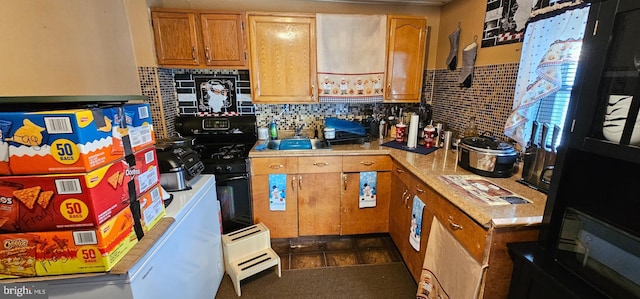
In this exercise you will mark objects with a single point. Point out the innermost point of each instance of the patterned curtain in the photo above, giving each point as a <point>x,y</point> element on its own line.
<point>551,41</point>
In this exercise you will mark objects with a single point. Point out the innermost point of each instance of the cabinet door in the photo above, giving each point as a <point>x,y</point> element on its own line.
<point>356,220</point>
<point>406,44</point>
<point>412,258</point>
<point>283,58</point>
<point>176,38</point>
<point>281,224</point>
<point>319,204</point>
<point>223,39</point>
<point>399,212</point>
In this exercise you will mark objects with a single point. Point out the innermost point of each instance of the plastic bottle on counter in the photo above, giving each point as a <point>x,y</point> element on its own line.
<point>382,131</point>
<point>273,130</point>
<point>392,127</point>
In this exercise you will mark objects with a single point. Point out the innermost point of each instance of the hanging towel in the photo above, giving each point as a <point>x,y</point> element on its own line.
<point>415,230</point>
<point>277,192</point>
<point>449,271</point>
<point>351,57</point>
<point>368,180</point>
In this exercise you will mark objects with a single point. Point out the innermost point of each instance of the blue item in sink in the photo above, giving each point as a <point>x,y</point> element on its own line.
<point>289,144</point>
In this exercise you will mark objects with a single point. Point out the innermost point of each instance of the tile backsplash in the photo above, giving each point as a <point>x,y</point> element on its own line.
<point>489,98</point>
<point>173,91</point>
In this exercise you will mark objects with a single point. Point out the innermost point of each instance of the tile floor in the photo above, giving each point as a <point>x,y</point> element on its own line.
<point>333,251</point>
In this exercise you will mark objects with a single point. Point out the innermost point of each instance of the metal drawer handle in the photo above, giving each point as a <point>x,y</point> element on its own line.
<point>453,225</point>
<point>276,166</point>
<point>344,177</point>
<point>418,189</point>
<point>368,163</point>
<point>320,164</point>
<point>406,201</point>
<point>398,170</point>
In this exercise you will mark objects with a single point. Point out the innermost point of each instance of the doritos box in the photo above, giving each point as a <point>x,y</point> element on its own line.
<point>139,126</point>
<point>144,170</point>
<point>69,251</point>
<point>62,201</point>
<point>57,141</point>
<point>152,208</point>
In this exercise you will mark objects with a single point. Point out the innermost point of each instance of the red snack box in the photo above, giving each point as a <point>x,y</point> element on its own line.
<point>63,201</point>
<point>58,141</point>
<point>144,170</point>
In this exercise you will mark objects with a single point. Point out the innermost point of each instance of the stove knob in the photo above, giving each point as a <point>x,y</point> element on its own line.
<point>228,168</point>
<point>218,169</point>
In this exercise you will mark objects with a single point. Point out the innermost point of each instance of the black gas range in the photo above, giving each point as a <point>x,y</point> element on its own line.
<point>223,144</point>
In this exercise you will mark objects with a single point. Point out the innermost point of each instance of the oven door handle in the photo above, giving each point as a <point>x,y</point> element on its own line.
<point>234,178</point>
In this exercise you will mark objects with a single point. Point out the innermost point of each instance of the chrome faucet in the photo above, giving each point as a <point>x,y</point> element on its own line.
<point>297,130</point>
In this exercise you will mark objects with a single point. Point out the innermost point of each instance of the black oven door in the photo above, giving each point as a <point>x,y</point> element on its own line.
<point>235,201</point>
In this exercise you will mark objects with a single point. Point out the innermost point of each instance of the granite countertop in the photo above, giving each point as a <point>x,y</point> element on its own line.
<point>430,169</point>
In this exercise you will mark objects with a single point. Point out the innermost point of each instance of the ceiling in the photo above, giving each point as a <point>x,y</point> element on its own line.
<point>412,2</point>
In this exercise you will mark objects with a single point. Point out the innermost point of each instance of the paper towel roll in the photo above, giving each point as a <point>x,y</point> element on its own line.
<point>413,131</point>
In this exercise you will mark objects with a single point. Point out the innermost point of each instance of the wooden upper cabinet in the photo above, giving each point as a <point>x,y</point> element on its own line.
<point>199,39</point>
<point>176,38</point>
<point>223,39</point>
<point>406,43</point>
<point>283,57</point>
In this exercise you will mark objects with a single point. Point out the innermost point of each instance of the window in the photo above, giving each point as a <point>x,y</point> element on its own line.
<point>548,63</point>
<point>553,109</point>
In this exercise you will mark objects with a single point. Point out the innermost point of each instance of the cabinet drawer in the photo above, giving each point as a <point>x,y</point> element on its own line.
<point>273,165</point>
<point>471,235</point>
<point>403,174</point>
<point>320,164</point>
<point>366,163</point>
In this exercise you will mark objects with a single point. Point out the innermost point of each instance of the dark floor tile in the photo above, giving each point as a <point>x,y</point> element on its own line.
<point>281,246</point>
<point>341,258</point>
<point>375,256</point>
<point>342,243</point>
<point>307,244</point>
<point>284,261</point>
<point>307,261</point>
<point>370,242</point>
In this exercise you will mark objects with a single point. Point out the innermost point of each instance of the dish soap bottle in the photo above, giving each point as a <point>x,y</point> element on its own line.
<point>273,130</point>
<point>472,129</point>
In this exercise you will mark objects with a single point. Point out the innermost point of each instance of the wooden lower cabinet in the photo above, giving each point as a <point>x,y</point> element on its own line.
<point>322,199</point>
<point>312,195</point>
<point>319,204</point>
<point>356,220</point>
<point>486,245</point>
<point>282,224</point>
<point>366,220</point>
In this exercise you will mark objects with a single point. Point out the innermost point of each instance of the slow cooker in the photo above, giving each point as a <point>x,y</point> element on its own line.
<point>486,156</point>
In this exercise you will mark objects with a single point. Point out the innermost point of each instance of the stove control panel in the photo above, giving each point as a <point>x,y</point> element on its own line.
<point>215,124</point>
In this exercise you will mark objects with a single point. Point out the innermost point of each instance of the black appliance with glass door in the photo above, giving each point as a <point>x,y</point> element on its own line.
<point>223,143</point>
<point>589,244</point>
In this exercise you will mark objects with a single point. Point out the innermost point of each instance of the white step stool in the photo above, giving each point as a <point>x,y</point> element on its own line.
<point>247,251</point>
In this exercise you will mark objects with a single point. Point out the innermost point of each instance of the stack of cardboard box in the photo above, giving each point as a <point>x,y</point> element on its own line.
<point>78,188</point>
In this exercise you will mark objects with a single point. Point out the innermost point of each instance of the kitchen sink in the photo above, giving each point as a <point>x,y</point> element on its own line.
<point>297,144</point>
